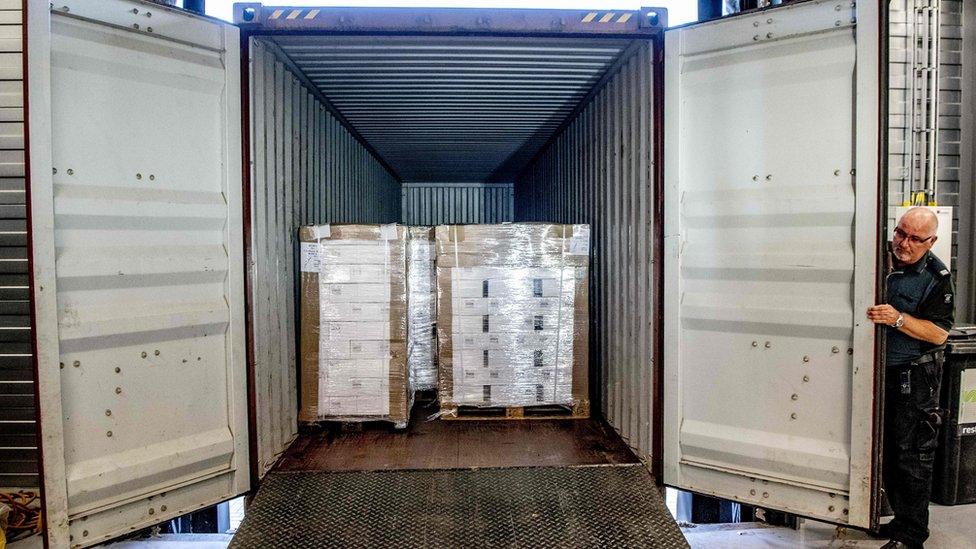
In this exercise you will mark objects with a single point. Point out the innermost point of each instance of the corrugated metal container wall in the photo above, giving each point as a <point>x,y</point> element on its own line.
<point>449,203</point>
<point>306,169</point>
<point>950,109</point>
<point>599,171</point>
<point>18,442</point>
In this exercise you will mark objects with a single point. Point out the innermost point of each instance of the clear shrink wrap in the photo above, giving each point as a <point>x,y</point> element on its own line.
<point>354,324</point>
<point>512,318</point>
<point>421,309</point>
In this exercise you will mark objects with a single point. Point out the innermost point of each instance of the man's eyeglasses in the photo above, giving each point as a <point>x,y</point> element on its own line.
<point>901,235</point>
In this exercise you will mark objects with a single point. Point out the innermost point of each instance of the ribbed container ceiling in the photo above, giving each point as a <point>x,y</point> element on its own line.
<point>453,109</point>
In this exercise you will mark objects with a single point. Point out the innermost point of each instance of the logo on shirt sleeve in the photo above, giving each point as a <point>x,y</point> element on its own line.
<point>948,298</point>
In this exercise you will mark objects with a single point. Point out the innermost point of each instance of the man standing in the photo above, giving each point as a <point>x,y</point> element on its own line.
<point>919,315</point>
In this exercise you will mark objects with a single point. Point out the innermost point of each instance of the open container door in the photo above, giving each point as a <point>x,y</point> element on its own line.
<point>771,236</point>
<point>136,225</point>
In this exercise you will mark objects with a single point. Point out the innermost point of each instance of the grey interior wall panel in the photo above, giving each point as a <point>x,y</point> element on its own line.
<point>306,168</point>
<point>950,108</point>
<point>599,170</point>
<point>18,427</point>
<point>449,203</point>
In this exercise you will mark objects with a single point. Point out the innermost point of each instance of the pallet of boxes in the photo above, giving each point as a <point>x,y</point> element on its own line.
<point>354,324</point>
<point>512,320</point>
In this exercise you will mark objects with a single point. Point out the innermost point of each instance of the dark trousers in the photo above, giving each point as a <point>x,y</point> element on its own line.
<point>911,435</point>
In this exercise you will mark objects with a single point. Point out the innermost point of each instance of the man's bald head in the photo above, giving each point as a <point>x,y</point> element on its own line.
<point>920,218</point>
<point>915,234</point>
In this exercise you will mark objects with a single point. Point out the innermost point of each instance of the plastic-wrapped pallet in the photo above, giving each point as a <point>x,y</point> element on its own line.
<point>353,323</point>
<point>421,309</point>
<point>512,316</point>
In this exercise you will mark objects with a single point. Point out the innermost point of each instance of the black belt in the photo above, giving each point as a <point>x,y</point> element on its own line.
<point>927,357</point>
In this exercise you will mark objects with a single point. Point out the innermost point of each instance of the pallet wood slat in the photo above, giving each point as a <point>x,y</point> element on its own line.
<point>580,410</point>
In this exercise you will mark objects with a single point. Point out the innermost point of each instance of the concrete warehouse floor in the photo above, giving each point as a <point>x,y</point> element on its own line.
<point>952,528</point>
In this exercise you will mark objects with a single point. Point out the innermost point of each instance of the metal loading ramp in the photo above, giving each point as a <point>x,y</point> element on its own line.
<point>595,506</point>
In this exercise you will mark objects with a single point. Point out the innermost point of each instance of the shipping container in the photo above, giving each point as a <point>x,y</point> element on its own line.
<point>730,171</point>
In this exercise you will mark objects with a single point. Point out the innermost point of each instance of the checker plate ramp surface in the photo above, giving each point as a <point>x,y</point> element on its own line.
<point>603,506</point>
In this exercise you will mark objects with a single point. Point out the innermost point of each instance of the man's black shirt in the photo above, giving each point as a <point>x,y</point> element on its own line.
<point>923,290</point>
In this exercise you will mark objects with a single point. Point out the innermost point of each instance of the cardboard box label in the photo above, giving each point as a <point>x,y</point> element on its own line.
<point>322,231</point>
<point>356,274</point>
<point>519,275</point>
<point>475,392</point>
<point>512,322</point>
<point>354,293</point>
<point>331,330</point>
<point>354,252</point>
<point>310,257</point>
<point>579,244</point>
<point>354,311</point>
<point>513,288</point>
<point>345,405</point>
<point>345,349</point>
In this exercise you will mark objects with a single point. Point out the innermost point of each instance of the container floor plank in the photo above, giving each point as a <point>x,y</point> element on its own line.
<point>458,444</point>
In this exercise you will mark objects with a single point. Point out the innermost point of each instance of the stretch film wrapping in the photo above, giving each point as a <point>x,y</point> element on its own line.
<point>512,318</point>
<point>421,309</point>
<point>354,323</point>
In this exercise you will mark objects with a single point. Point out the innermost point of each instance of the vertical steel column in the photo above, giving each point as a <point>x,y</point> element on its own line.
<point>966,263</point>
<point>923,110</point>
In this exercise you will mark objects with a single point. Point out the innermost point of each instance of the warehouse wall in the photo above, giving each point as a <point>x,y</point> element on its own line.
<point>949,164</point>
<point>449,203</point>
<point>18,427</point>
<point>599,171</point>
<point>306,169</point>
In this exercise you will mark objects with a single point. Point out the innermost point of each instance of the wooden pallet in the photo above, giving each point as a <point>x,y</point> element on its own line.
<point>580,410</point>
<point>338,425</point>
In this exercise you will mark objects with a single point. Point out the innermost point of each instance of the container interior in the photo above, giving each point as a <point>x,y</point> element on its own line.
<point>342,128</point>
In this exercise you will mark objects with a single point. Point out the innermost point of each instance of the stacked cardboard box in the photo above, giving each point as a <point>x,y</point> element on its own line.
<point>353,323</point>
<point>512,315</point>
<point>421,309</point>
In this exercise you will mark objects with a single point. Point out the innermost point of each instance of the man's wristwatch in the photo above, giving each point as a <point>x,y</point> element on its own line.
<point>900,322</point>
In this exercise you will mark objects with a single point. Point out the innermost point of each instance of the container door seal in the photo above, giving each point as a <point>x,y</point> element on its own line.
<point>136,210</point>
<point>772,123</point>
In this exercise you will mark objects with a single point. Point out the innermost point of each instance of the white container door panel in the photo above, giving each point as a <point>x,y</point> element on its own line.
<point>139,205</point>
<point>771,160</point>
